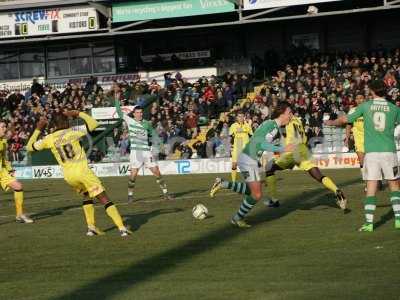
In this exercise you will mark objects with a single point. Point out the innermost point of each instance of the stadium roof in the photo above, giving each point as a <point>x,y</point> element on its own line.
<point>237,17</point>
<point>24,4</point>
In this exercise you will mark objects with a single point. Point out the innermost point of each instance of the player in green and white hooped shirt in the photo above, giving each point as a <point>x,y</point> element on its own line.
<point>267,138</point>
<point>142,137</point>
<point>380,119</point>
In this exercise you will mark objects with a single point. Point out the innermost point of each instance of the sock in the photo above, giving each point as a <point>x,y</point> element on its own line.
<point>238,187</point>
<point>163,185</point>
<point>131,186</point>
<point>113,213</point>
<point>88,209</point>
<point>329,184</point>
<point>395,199</point>
<point>19,200</point>
<point>234,174</point>
<point>369,208</point>
<point>247,204</point>
<point>270,181</point>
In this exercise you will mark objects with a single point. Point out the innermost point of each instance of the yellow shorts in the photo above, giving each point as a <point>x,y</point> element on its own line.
<point>300,158</point>
<point>5,179</point>
<point>83,180</point>
<point>359,144</point>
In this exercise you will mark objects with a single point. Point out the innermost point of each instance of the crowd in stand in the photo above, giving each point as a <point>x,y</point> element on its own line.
<point>317,85</point>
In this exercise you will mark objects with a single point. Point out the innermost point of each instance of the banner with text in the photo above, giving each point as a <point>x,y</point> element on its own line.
<point>162,9</point>
<point>47,21</point>
<point>260,4</point>
<point>181,167</point>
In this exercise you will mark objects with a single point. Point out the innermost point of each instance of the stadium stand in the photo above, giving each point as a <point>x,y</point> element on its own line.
<point>316,84</point>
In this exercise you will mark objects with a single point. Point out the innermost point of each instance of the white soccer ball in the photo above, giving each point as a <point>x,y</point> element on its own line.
<point>200,212</point>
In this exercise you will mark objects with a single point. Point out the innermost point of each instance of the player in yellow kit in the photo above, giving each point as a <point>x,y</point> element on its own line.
<point>357,128</point>
<point>296,135</point>
<point>65,146</point>
<point>240,131</point>
<point>7,179</point>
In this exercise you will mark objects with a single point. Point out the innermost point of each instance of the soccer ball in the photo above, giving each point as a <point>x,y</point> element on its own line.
<point>200,212</point>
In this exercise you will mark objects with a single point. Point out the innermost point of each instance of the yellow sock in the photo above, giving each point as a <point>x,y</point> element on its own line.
<point>113,213</point>
<point>88,209</point>
<point>234,175</point>
<point>19,200</point>
<point>329,184</point>
<point>271,186</point>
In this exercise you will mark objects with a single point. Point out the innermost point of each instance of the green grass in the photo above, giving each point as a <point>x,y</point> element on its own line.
<point>306,249</point>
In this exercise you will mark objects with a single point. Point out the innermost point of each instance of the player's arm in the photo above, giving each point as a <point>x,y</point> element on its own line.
<point>232,131</point>
<point>91,123</point>
<point>33,143</point>
<point>267,145</point>
<point>118,109</point>
<point>345,119</point>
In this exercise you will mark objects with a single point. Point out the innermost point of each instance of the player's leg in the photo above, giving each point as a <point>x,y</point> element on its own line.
<point>281,163</point>
<point>16,186</point>
<point>88,210</point>
<point>372,172</point>
<point>113,213</point>
<point>235,186</point>
<point>234,164</point>
<point>252,174</point>
<point>328,184</point>
<point>131,183</point>
<point>234,171</point>
<point>161,182</point>
<point>390,171</point>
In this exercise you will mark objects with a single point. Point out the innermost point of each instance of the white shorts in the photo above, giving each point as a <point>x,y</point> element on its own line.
<point>142,158</point>
<point>380,165</point>
<point>250,169</point>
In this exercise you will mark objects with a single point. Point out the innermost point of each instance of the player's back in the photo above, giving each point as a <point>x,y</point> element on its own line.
<point>66,148</point>
<point>295,133</point>
<point>269,132</point>
<point>380,119</point>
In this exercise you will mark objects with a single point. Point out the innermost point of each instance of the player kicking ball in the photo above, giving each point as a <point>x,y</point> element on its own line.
<point>300,157</point>
<point>7,179</point>
<point>380,161</point>
<point>65,146</point>
<point>141,136</point>
<point>267,138</point>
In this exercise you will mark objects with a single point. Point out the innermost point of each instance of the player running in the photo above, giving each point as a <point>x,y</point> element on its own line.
<point>240,131</point>
<point>7,179</point>
<point>380,118</point>
<point>267,137</point>
<point>65,146</point>
<point>300,157</point>
<point>141,136</point>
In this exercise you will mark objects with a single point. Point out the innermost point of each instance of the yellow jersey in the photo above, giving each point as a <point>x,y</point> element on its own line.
<point>64,143</point>
<point>4,163</point>
<point>241,134</point>
<point>358,125</point>
<point>295,133</point>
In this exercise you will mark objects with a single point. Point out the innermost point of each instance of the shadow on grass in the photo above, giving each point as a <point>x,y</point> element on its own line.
<point>384,219</point>
<point>135,221</point>
<point>144,270</point>
<point>53,212</point>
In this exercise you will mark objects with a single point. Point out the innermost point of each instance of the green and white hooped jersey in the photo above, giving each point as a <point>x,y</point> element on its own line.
<point>140,134</point>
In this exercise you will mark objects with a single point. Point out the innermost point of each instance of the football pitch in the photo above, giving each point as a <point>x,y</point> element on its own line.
<point>306,249</point>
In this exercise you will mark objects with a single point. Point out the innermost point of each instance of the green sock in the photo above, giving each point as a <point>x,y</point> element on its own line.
<point>369,208</point>
<point>247,204</point>
<point>238,187</point>
<point>395,200</point>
